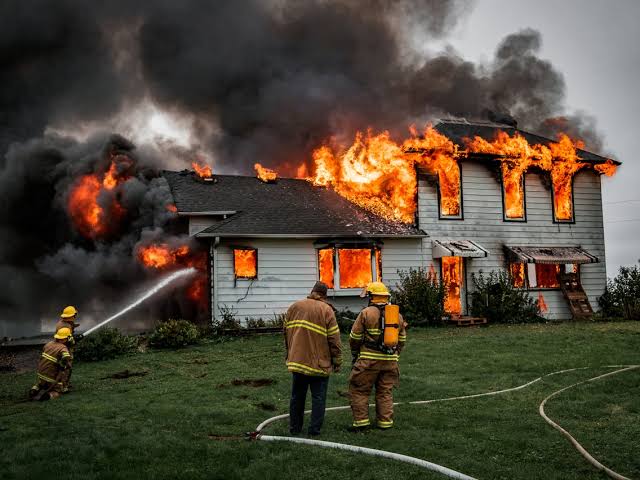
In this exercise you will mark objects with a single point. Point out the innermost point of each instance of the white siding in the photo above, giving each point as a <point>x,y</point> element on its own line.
<point>287,269</point>
<point>483,223</point>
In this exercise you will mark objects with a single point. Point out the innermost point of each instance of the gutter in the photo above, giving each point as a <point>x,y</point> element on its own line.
<point>214,278</point>
<point>303,235</point>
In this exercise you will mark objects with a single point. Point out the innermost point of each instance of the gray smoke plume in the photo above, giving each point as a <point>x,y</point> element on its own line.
<point>276,78</point>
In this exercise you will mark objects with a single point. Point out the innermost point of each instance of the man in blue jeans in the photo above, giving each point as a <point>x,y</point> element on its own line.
<point>314,350</point>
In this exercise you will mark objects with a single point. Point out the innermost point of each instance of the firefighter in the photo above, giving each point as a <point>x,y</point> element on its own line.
<point>67,320</point>
<point>52,368</point>
<point>314,350</point>
<point>374,363</point>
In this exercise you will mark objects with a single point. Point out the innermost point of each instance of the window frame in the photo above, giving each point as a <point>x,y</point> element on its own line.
<point>450,217</point>
<point>524,199</point>
<point>555,219</point>
<point>375,275</point>
<point>233,255</point>
<point>527,283</point>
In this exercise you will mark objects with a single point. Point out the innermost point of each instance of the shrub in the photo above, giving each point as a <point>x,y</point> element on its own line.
<point>496,299</point>
<point>277,321</point>
<point>105,344</point>
<point>420,296</point>
<point>255,323</point>
<point>173,334</point>
<point>228,320</point>
<point>621,298</point>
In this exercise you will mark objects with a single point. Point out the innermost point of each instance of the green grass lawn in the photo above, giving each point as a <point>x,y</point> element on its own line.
<point>166,424</point>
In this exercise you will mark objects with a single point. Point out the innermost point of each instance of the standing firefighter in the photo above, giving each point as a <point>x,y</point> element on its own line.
<point>67,320</point>
<point>52,368</point>
<point>312,338</point>
<point>376,339</point>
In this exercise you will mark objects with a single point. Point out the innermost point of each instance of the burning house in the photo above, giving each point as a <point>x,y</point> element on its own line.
<point>462,198</point>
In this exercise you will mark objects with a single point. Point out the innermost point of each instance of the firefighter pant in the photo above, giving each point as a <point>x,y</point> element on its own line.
<point>384,375</point>
<point>301,383</point>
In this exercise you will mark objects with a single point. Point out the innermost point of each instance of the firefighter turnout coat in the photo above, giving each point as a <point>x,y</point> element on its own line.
<point>312,337</point>
<point>54,362</point>
<point>373,367</point>
<point>71,345</point>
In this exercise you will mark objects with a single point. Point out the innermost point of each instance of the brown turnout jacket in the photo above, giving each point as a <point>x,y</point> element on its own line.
<point>366,329</point>
<point>64,323</point>
<point>55,358</point>
<point>312,337</point>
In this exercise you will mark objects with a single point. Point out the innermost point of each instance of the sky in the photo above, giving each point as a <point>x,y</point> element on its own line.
<point>596,44</point>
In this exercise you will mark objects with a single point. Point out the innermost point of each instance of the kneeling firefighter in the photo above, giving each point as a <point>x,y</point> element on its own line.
<point>377,337</point>
<point>53,368</point>
<point>68,320</point>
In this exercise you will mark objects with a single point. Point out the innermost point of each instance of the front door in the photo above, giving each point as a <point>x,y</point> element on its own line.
<point>453,279</point>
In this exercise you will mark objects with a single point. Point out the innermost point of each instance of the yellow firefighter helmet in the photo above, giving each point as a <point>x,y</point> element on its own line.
<point>376,288</point>
<point>69,312</point>
<point>63,333</point>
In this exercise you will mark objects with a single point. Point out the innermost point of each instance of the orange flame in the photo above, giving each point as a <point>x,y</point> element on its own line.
<point>325,266</point>
<point>89,216</point>
<point>548,275</point>
<point>542,305</point>
<point>516,270</point>
<point>265,174</point>
<point>162,256</point>
<point>355,267</point>
<point>452,279</point>
<point>608,168</point>
<point>171,208</point>
<point>245,263</point>
<point>202,170</point>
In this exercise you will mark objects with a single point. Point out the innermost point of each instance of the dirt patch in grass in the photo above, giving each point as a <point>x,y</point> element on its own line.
<point>267,407</point>
<point>249,382</point>
<point>126,374</point>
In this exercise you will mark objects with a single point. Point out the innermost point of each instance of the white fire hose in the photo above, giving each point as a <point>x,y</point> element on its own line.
<point>439,468</point>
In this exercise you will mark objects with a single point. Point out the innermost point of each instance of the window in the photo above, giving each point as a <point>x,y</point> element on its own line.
<point>513,194</point>
<point>562,193</point>
<point>245,263</point>
<point>344,268</point>
<point>450,191</point>
<point>539,275</point>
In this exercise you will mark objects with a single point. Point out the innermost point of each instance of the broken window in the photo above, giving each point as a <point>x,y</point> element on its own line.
<point>539,275</point>
<point>513,194</point>
<point>342,268</point>
<point>450,190</point>
<point>562,197</point>
<point>245,263</point>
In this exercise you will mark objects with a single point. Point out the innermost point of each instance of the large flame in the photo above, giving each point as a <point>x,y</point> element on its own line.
<point>265,174</point>
<point>452,279</point>
<point>164,257</point>
<point>92,215</point>
<point>548,275</point>
<point>377,173</point>
<point>608,168</point>
<point>355,267</point>
<point>245,262</point>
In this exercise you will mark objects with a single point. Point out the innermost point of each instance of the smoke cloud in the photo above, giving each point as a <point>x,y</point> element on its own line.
<point>251,81</point>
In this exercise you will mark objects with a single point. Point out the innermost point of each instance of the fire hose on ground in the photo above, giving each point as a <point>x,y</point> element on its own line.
<point>258,435</point>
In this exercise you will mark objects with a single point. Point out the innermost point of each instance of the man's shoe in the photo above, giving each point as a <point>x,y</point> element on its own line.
<point>313,434</point>
<point>362,429</point>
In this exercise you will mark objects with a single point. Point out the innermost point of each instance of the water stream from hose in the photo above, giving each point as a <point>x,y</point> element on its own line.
<point>149,293</point>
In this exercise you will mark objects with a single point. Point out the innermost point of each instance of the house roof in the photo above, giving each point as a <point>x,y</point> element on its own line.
<point>287,208</point>
<point>458,130</point>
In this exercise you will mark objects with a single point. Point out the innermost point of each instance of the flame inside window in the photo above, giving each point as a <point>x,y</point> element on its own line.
<point>378,265</point>
<point>517,272</point>
<point>355,267</point>
<point>449,187</point>
<point>548,275</point>
<point>513,192</point>
<point>325,263</point>
<point>452,278</point>
<point>245,262</point>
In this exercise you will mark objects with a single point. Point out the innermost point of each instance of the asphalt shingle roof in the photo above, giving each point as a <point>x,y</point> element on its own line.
<point>458,130</point>
<point>287,207</point>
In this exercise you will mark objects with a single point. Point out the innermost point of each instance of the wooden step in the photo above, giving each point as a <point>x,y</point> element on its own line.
<point>467,321</point>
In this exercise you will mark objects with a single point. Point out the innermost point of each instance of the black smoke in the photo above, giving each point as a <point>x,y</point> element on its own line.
<point>275,78</point>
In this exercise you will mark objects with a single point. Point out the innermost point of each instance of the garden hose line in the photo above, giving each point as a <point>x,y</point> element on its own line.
<point>439,468</point>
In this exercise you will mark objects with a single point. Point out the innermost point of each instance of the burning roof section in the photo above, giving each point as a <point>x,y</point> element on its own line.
<point>286,208</point>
